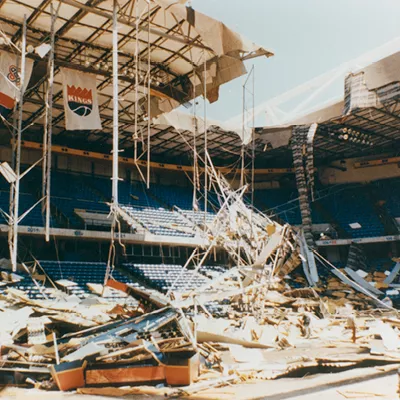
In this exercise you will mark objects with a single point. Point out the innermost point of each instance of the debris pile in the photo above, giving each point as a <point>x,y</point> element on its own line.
<point>282,310</point>
<point>184,346</point>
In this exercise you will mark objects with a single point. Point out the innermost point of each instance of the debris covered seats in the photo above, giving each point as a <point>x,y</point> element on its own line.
<point>82,273</point>
<point>164,276</point>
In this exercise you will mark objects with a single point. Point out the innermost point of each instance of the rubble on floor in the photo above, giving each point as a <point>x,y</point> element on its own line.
<point>146,343</point>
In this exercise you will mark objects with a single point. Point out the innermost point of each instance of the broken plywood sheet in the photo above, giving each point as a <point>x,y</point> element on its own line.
<point>272,244</point>
<point>125,391</point>
<point>106,292</point>
<point>89,349</point>
<point>241,354</point>
<point>389,336</point>
<point>220,330</point>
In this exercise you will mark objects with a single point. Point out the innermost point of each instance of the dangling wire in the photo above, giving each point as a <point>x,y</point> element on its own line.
<point>148,97</point>
<point>195,127</point>
<point>135,134</point>
<point>205,139</point>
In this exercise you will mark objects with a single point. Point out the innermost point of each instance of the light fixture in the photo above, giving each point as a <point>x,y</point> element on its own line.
<point>87,63</point>
<point>105,67</point>
<point>97,66</point>
<point>346,136</point>
<point>30,49</point>
<point>42,49</point>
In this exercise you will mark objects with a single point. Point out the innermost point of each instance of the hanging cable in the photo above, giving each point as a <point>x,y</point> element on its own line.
<point>115,179</point>
<point>205,139</point>
<point>148,97</point>
<point>135,134</point>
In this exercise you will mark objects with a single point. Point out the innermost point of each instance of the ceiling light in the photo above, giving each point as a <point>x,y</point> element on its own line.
<point>30,49</point>
<point>42,49</point>
<point>346,136</point>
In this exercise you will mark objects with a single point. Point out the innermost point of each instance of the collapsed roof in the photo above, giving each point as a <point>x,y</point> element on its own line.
<point>182,42</point>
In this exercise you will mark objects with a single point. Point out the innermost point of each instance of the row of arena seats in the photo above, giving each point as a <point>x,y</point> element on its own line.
<point>352,204</point>
<point>157,276</point>
<point>157,221</point>
<point>26,201</point>
<point>389,192</point>
<point>344,203</point>
<point>82,273</point>
<point>164,276</point>
<point>27,286</point>
<point>95,191</point>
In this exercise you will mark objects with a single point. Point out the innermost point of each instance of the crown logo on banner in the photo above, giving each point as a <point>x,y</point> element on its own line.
<point>80,101</point>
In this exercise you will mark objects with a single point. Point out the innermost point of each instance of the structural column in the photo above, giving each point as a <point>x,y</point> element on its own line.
<point>302,139</point>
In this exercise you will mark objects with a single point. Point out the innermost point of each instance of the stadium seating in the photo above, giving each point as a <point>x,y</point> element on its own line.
<point>162,276</point>
<point>157,221</point>
<point>82,273</point>
<point>28,287</point>
<point>281,203</point>
<point>154,207</point>
<point>346,203</point>
<point>350,205</point>
<point>26,200</point>
<point>389,190</point>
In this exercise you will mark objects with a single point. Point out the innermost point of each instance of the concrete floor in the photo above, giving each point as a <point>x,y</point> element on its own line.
<point>359,384</point>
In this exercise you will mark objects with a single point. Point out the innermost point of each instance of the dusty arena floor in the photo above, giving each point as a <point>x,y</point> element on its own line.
<point>361,383</point>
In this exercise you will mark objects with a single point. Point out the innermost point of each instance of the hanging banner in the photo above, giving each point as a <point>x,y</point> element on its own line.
<point>80,100</point>
<point>10,79</point>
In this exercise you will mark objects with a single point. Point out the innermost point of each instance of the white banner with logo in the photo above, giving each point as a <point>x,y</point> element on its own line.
<point>80,100</point>
<point>10,80</point>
